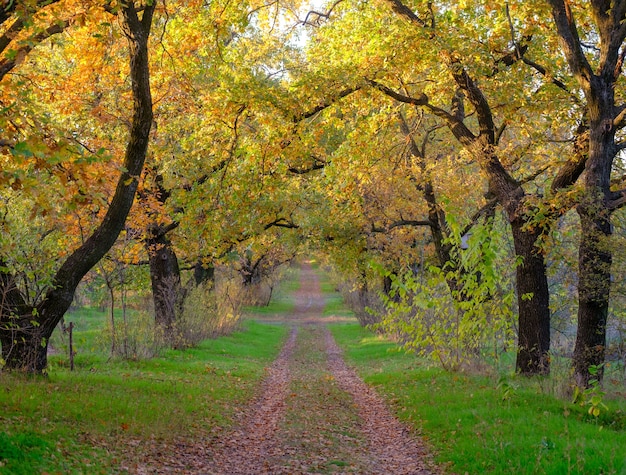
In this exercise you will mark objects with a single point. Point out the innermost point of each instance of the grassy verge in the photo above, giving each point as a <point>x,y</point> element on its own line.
<point>334,301</point>
<point>85,421</point>
<point>478,425</point>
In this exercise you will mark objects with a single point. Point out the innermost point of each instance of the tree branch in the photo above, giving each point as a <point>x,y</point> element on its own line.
<point>8,64</point>
<point>571,170</point>
<point>541,70</point>
<point>475,96</point>
<point>9,8</point>
<point>317,165</point>
<point>532,176</point>
<point>281,223</point>
<point>566,27</point>
<point>79,262</point>
<point>405,12</point>
<point>617,200</point>
<point>618,121</point>
<point>485,210</point>
<point>310,113</point>
<point>456,126</point>
<point>320,15</point>
<point>10,33</point>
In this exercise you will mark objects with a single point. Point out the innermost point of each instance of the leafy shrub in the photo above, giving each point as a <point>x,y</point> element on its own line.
<point>208,312</point>
<point>458,314</point>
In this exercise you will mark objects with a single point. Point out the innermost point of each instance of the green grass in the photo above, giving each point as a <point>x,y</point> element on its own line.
<point>82,421</point>
<point>88,325</point>
<point>87,421</point>
<point>73,422</point>
<point>476,425</point>
<point>334,301</point>
<point>280,306</point>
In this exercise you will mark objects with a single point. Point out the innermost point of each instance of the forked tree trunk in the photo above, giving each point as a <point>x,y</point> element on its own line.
<point>598,82</point>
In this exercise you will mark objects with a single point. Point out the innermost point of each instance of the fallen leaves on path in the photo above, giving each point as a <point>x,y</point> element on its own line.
<point>312,414</point>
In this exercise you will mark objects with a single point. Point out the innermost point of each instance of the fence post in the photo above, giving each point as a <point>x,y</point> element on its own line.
<point>70,329</point>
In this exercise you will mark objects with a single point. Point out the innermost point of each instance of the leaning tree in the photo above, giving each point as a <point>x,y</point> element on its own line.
<point>26,325</point>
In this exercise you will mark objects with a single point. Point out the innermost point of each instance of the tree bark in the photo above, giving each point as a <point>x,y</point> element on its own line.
<point>594,255</point>
<point>594,281</point>
<point>533,300</point>
<point>167,292</point>
<point>203,274</point>
<point>24,332</point>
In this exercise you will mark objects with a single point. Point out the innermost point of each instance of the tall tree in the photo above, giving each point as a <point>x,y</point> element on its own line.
<point>472,53</point>
<point>26,328</point>
<point>598,72</point>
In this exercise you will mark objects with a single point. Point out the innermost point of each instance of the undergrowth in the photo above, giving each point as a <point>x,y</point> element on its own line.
<point>282,302</point>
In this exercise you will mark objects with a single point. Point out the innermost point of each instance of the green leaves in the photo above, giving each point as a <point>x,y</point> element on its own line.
<point>22,149</point>
<point>591,396</point>
<point>458,313</point>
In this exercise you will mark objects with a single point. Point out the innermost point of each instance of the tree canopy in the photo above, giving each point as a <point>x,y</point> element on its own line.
<point>435,153</point>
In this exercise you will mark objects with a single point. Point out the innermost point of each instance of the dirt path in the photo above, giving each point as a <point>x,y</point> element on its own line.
<point>314,414</point>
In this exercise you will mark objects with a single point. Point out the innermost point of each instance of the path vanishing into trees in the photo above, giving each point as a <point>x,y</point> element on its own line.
<point>313,414</point>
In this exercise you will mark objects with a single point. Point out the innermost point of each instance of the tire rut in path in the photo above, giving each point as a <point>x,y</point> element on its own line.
<point>393,449</point>
<point>247,449</point>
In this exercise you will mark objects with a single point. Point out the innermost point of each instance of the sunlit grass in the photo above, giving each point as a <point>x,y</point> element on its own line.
<point>334,301</point>
<point>72,422</point>
<point>482,424</point>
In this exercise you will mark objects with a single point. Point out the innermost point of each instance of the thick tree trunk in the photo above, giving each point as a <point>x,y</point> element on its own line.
<point>25,348</point>
<point>203,274</point>
<point>167,292</point>
<point>533,299</point>
<point>593,296</point>
<point>594,256</point>
<point>532,282</point>
<point>24,335</point>
<point>594,252</point>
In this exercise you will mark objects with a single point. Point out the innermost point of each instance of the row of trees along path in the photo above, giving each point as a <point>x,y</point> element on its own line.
<point>312,414</point>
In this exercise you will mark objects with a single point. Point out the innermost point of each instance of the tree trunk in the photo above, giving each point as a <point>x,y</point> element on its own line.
<point>533,299</point>
<point>167,292</point>
<point>203,274</point>
<point>25,348</point>
<point>594,252</point>
<point>594,283</point>
<point>598,84</point>
<point>388,287</point>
